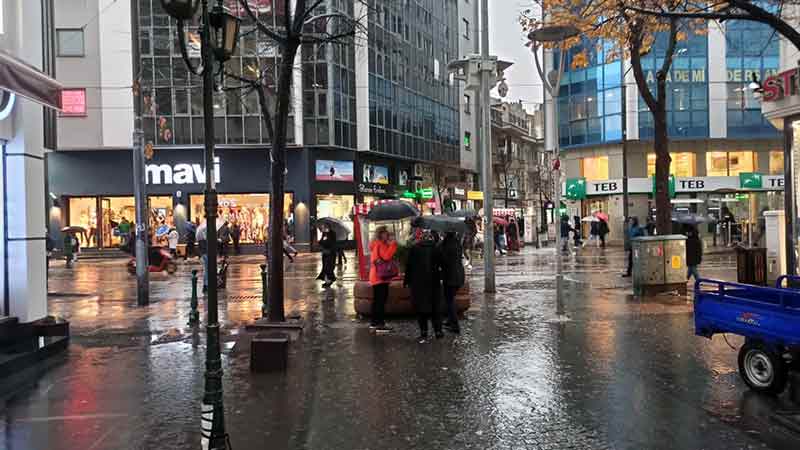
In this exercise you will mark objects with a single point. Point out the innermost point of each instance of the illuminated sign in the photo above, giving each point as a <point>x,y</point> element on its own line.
<point>680,75</point>
<point>179,173</point>
<point>73,102</point>
<point>779,86</point>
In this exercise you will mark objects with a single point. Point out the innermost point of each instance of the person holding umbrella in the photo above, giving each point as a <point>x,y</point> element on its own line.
<point>602,227</point>
<point>328,245</point>
<point>452,277</point>
<point>424,277</point>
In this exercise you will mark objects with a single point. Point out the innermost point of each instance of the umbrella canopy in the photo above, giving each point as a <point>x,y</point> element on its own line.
<point>590,219</point>
<point>336,225</point>
<point>499,221</point>
<point>463,213</point>
<point>392,210</point>
<point>602,216</point>
<point>442,224</point>
<point>692,219</point>
<point>73,229</point>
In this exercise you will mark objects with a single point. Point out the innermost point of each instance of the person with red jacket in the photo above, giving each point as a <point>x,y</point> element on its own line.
<point>382,248</point>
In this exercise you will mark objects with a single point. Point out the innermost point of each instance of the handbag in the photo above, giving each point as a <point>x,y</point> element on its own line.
<point>386,270</point>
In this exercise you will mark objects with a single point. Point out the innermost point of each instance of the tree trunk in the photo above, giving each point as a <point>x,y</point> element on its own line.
<point>278,167</point>
<point>663,160</point>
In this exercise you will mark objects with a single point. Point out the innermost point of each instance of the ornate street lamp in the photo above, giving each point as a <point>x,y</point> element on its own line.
<point>224,32</point>
<point>224,29</point>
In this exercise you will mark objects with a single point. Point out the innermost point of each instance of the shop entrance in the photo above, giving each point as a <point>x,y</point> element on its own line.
<point>338,207</point>
<point>85,211</point>
<point>250,211</point>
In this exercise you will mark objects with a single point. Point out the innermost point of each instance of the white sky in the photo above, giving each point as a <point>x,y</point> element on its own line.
<point>507,41</point>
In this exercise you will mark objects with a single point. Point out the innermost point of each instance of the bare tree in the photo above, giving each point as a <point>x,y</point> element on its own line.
<point>305,22</point>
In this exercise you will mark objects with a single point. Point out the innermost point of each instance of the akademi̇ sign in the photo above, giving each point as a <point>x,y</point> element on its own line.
<point>180,173</point>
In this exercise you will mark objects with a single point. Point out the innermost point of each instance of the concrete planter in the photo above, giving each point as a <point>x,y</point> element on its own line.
<point>399,302</point>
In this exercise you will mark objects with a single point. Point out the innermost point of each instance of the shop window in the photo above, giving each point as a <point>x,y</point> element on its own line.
<point>594,168</point>
<point>739,162</point>
<point>776,163</point>
<point>69,42</point>
<point>83,213</point>
<point>250,211</point>
<point>115,209</point>
<point>683,164</point>
<point>716,164</point>
<point>337,207</point>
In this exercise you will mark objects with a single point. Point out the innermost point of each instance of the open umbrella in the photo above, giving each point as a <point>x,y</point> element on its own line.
<point>336,225</point>
<point>590,219</point>
<point>73,229</point>
<point>442,224</point>
<point>463,213</point>
<point>602,216</point>
<point>393,210</point>
<point>162,230</point>
<point>501,222</point>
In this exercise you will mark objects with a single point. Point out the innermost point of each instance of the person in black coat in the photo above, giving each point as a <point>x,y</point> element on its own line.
<point>423,275</point>
<point>452,277</point>
<point>694,253</point>
<point>565,230</point>
<point>328,245</point>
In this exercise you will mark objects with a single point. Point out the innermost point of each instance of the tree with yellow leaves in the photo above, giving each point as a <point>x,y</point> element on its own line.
<point>632,35</point>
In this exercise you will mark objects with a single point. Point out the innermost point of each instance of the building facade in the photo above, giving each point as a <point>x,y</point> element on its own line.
<point>366,118</point>
<point>717,133</point>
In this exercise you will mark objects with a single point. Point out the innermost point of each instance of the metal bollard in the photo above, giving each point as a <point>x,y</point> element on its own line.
<point>194,315</point>
<point>264,303</point>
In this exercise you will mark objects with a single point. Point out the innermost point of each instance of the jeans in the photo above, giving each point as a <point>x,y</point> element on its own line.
<point>692,271</point>
<point>205,270</point>
<point>450,304</point>
<point>380,293</point>
<point>630,262</point>
<point>433,316</point>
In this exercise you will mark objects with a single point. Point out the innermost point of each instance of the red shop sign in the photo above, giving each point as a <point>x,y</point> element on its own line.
<point>73,102</point>
<point>781,85</point>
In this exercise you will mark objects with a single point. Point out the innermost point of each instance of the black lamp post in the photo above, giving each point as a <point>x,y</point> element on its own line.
<point>218,36</point>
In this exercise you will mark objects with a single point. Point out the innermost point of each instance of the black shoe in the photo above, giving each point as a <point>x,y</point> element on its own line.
<point>423,338</point>
<point>439,334</point>
<point>626,275</point>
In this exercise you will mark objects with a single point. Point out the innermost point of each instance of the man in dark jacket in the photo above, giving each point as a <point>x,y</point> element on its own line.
<point>633,231</point>
<point>694,253</point>
<point>452,278</point>
<point>423,275</point>
<point>565,230</point>
<point>236,236</point>
<point>328,245</point>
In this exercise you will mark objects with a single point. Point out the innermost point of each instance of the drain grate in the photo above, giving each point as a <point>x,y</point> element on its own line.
<point>242,298</point>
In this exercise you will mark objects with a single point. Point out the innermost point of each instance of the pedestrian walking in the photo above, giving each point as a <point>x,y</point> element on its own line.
<point>202,245</point>
<point>288,249</point>
<point>236,236</point>
<point>452,278</point>
<point>694,253</point>
<point>469,239</point>
<point>224,238</point>
<point>68,249</point>
<point>512,235</point>
<point>423,276</point>
<point>594,232</point>
<point>577,235</point>
<point>633,231</point>
<point>172,242</point>
<point>328,245</point>
<point>566,228</point>
<point>498,238</point>
<point>602,231</point>
<point>382,250</point>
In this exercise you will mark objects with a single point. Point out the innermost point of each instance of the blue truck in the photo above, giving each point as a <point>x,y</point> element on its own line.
<point>767,317</point>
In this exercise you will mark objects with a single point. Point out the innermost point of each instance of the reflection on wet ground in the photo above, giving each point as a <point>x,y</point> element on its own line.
<point>624,373</point>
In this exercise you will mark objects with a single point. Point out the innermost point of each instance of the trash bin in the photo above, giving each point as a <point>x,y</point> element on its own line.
<point>751,265</point>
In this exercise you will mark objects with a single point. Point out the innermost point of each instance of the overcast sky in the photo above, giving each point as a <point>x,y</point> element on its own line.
<point>507,41</point>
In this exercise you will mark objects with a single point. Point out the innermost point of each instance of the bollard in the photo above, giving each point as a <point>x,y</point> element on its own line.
<point>194,315</point>
<point>264,303</point>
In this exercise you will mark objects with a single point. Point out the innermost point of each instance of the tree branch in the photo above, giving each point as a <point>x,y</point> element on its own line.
<point>260,25</point>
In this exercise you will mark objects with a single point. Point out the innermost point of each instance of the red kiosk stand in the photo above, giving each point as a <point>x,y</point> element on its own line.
<point>399,302</point>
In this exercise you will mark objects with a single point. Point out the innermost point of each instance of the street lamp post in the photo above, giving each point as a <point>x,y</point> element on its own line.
<point>555,34</point>
<point>218,37</point>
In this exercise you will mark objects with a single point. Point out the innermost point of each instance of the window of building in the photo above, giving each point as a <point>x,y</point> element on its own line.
<point>739,162</point>
<point>595,168</point>
<point>73,103</point>
<point>69,42</point>
<point>776,163</point>
<point>250,211</point>
<point>466,28</point>
<point>683,164</point>
<point>467,102</point>
<point>716,164</point>
<point>468,141</point>
<point>83,213</point>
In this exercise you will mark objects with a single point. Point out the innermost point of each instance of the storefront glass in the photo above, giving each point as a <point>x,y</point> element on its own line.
<point>114,210</point>
<point>682,165</point>
<point>250,211</point>
<point>776,163</point>
<point>338,207</point>
<point>595,169</point>
<point>83,213</point>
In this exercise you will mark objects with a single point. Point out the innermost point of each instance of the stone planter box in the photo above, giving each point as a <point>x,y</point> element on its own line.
<point>399,302</point>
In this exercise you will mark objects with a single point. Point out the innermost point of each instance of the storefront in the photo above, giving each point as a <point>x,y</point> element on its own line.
<point>333,187</point>
<point>94,190</point>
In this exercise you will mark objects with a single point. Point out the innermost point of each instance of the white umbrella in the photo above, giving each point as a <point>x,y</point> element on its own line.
<point>590,219</point>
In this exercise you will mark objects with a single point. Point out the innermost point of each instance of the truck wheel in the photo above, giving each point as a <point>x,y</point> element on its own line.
<point>762,370</point>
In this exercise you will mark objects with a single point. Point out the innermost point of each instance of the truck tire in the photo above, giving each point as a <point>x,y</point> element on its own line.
<point>763,370</point>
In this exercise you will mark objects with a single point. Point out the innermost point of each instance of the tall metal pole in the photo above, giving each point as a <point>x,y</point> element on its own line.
<point>625,198</point>
<point>212,408</point>
<point>139,187</point>
<point>557,195</point>
<point>486,154</point>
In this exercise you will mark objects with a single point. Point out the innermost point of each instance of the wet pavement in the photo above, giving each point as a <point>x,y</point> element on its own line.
<point>623,373</point>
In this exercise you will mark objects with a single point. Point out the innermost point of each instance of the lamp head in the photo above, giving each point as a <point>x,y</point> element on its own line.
<point>180,9</point>
<point>224,32</point>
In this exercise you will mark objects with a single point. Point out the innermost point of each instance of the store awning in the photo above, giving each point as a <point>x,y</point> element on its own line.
<point>25,80</point>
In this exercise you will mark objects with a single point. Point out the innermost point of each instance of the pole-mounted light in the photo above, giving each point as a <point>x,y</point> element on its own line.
<point>180,9</point>
<point>224,32</point>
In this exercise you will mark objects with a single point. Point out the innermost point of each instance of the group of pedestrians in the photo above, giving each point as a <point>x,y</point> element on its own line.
<point>694,247</point>
<point>434,272</point>
<point>598,230</point>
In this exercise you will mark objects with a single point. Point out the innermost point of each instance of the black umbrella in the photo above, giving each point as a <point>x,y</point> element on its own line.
<point>393,210</point>
<point>336,225</point>
<point>442,224</point>
<point>692,219</point>
<point>463,213</point>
